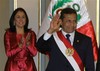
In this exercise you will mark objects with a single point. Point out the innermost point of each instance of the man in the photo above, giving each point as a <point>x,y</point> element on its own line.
<point>66,54</point>
<point>98,62</point>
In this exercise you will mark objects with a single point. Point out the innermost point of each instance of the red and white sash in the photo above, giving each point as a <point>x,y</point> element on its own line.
<point>63,45</point>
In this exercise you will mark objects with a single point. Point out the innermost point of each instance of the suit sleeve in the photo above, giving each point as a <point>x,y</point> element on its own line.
<point>89,56</point>
<point>43,45</point>
<point>98,62</point>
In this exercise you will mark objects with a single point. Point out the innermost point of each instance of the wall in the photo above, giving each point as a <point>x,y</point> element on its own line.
<point>4,19</point>
<point>44,58</point>
<point>31,7</point>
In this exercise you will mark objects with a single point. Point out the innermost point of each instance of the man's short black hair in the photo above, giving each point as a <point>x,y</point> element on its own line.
<point>67,11</point>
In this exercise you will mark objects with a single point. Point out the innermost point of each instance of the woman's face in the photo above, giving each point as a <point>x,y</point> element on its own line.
<point>20,19</point>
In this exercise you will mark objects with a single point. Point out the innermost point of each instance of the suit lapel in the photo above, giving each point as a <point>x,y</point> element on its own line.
<point>77,40</point>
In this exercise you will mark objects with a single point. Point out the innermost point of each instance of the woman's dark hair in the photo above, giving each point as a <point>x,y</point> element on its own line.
<point>11,21</point>
<point>67,11</point>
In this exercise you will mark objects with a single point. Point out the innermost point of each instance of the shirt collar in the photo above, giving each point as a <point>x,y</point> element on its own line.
<point>72,34</point>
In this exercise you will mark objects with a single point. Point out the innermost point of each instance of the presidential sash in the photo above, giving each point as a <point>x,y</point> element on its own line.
<point>68,51</point>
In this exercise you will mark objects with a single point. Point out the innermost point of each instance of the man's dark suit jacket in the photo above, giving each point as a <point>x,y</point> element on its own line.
<point>98,62</point>
<point>58,61</point>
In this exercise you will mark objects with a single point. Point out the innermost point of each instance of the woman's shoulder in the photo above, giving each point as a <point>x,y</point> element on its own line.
<point>7,30</point>
<point>31,31</point>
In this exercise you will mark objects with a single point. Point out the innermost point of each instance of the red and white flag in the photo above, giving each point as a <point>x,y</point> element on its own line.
<point>84,22</point>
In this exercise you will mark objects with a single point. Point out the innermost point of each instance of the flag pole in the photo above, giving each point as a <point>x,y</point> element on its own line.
<point>15,4</point>
<point>39,24</point>
<point>97,22</point>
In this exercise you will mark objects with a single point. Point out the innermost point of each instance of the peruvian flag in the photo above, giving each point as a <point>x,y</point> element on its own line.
<point>84,24</point>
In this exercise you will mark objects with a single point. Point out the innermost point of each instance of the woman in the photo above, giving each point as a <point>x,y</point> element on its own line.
<point>20,43</point>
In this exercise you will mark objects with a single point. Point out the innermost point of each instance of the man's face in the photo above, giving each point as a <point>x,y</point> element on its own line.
<point>69,23</point>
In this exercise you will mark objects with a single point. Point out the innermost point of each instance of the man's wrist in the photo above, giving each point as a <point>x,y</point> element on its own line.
<point>46,36</point>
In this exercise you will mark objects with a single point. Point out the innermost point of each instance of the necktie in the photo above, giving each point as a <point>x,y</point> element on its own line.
<point>68,35</point>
